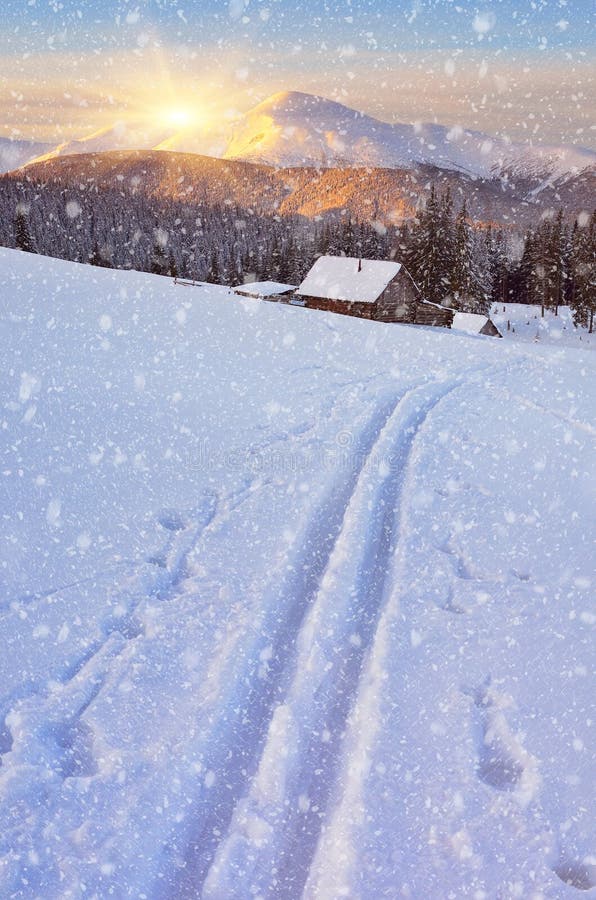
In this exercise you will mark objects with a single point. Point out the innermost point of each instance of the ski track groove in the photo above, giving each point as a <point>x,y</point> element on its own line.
<point>260,697</point>
<point>363,550</point>
<point>298,586</point>
<point>216,825</point>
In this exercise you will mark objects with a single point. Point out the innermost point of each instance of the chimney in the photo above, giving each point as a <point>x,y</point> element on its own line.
<point>360,265</point>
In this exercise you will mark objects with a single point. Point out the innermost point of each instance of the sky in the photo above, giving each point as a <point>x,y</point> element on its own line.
<point>516,68</point>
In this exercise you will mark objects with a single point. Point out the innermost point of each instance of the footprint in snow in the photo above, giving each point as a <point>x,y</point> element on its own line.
<point>578,874</point>
<point>172,520</point>
<point>184,531</point>
<point>75,743</point>
<point>503,761</point>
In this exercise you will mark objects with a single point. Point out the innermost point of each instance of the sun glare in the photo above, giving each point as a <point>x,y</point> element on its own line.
<point>180,118</point>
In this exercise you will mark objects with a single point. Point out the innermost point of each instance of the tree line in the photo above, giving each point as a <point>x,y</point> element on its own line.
<point>470,267</point>
<point>558,267</point>
<point>216,242</point>
<point>453,260</point>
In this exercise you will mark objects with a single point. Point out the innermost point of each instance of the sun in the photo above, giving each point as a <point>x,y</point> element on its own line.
<point>179,117</point>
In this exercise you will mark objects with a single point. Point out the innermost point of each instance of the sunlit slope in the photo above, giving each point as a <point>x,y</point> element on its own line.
<point>387,195</point>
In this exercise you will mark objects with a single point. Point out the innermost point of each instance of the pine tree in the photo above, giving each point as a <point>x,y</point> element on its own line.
<point>172,267</point>
<point>159,262</point>
<point>461,273</point>
<point>526,270</point>
<point>348,238</point>
<point>283,272</point>
<point>430,254</point>
<point>583,273</point>
<point>555,239</point>
<point>548,265</point>
<point>471,278</point>
<point>213,275</point>
<point>482,273</point>
<point>499,266</point>
<point>22,234</point>
<point>323,245</point>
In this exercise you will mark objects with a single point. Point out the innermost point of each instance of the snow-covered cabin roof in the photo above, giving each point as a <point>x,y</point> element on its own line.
<point>264,289</point>
<point>339,278</point>
<point>473,323</point>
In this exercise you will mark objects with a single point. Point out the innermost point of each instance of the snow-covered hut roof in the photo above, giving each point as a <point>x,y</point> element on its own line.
<point>348,278</point>
<point>474,323</point>
<point>264,289</point>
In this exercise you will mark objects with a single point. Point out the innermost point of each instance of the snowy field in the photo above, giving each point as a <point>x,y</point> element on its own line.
<point>527,324</point>
<point>293,604</point>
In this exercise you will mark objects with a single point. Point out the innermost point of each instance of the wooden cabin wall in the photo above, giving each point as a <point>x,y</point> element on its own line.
<point>397,303</point>
<point>344,307</point>
<point>427,314</point>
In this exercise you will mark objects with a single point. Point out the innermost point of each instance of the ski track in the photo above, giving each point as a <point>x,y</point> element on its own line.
<point>42,723</point>
<point>279,750</point>
<point>268,825</point>
<point>283,813</point>
<point>254,695</point>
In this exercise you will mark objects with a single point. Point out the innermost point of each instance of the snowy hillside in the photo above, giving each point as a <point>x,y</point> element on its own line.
<point>519,322</point>
<point>121,136</point>
<point>293,604</point>
<point>296,129</point>
<point>14,153</point>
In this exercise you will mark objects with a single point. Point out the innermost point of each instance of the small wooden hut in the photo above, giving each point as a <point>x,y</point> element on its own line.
<point>265,290</point>
<point>370,289</point>
<point>475,323</point>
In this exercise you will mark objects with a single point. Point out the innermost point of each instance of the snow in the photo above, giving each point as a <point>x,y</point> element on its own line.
<point>293,604</point>
<point>527,324</point>
<point>348,278</point>
<point>264,288</point>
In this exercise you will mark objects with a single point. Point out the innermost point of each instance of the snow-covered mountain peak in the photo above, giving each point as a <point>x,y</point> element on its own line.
<point>296,103</point>
<point>292,128</point>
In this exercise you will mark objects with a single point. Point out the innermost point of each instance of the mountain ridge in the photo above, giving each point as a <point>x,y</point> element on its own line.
<point>383,195</point>
<point>293,129</point>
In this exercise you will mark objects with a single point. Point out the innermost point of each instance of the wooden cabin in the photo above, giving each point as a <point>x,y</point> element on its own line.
<point>475,323</point>
<point>265,290</point>
<point>371,289</point>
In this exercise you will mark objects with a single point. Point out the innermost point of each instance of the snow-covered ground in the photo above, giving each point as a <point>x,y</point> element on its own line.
<point>526,323</point>
<point>292,604</point>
